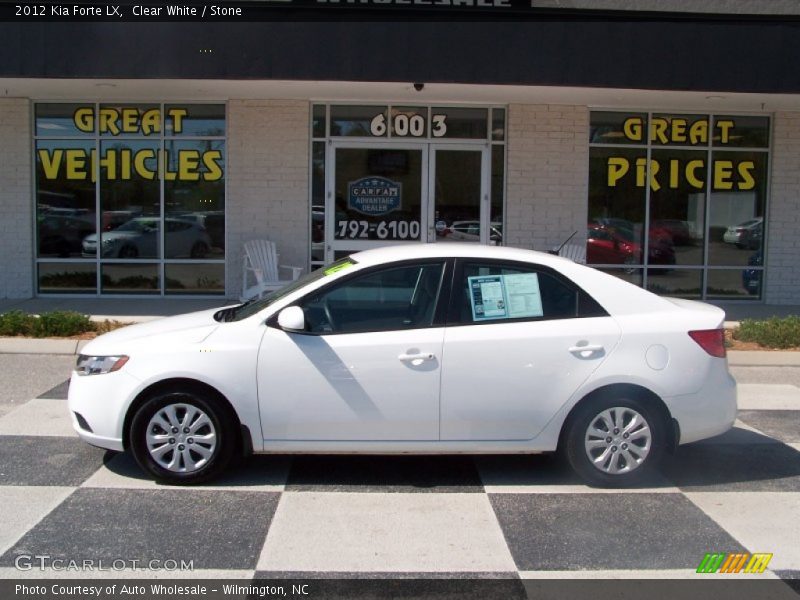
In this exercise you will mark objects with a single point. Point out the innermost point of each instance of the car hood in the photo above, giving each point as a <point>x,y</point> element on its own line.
<point>190,328</point>
<point>113,235</point>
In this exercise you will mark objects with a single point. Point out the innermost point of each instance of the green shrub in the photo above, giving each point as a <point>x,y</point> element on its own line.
<point>775,332</point>
<point>61,323</point>
<point>16,322</point>
<point>58,323</point>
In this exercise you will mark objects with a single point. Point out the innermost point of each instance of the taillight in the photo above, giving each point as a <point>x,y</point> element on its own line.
<point>710,340</point>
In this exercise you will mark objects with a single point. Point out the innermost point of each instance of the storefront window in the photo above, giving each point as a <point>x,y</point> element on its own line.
<point>127,188</point>
<point>699,182</point>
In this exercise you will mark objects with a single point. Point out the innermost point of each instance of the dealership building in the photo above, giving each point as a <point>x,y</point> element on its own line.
<point>137,157</point>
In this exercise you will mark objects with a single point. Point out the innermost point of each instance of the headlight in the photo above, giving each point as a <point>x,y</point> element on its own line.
<point>98,365</point>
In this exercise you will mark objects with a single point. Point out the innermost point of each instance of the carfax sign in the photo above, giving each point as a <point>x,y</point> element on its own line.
<point>374,196</point>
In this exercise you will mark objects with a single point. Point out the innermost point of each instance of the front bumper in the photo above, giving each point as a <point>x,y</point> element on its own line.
<point>101,401</point>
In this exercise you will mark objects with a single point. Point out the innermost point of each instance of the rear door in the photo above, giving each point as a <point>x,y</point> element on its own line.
<point>520,340</point>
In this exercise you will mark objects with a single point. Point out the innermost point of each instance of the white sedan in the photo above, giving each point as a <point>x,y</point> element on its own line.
<point>431,349</point>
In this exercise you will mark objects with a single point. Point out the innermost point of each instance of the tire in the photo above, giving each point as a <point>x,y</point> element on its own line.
<point>128,251</point>
<point>199,250</point>
<point>611,459</point>
<point>164,436</point>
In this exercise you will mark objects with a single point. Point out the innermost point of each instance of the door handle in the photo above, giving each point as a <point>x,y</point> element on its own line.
<point>420,356</point>
<point>584,351</point>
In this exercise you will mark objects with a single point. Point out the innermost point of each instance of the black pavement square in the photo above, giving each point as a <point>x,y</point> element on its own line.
<point>214,530</point>
<point>59,392</point>
<point>783,425</point>
<point>512,470</point>
<point>607,531</point>
<point>734,468</point>
<point>45,460</point>
<point>384,474</point>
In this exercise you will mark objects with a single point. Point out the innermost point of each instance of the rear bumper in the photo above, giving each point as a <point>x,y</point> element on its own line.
<point>711,410</point>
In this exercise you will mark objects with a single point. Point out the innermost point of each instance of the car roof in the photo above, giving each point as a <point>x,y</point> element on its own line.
<point>455,249</point>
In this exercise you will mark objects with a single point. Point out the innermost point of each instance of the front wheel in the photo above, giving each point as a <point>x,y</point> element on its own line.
<point>614,442</point>
<point>182,437</point>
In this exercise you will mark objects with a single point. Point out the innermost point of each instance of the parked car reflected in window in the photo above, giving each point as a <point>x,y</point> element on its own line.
<point>139,238</point>
<point>747,234</point>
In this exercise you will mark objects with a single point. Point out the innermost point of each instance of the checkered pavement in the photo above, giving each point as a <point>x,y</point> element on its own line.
<point>402,516</point>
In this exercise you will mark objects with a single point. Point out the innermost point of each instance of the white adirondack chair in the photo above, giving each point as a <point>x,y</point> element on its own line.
<point>575,252</point>
<point>261,259</point>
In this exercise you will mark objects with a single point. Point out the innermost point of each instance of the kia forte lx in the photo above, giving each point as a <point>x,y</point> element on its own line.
<point>439,348</point>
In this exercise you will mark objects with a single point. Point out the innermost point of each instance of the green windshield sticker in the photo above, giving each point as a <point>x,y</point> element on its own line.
<point>336,268</point>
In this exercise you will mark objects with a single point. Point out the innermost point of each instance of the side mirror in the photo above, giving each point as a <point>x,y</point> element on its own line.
<point>292,318</point>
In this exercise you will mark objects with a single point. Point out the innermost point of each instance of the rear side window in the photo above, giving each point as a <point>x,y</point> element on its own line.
<point>495,292</point>
<point>389,299</point>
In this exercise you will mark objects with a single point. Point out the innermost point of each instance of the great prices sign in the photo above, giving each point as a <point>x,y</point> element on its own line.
<point>120,163</point>
<point>728,171</point>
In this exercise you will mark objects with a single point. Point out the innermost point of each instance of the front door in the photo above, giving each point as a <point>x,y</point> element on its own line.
<point>407,192</point>
<point>458,196</point>
<point>377,195</point>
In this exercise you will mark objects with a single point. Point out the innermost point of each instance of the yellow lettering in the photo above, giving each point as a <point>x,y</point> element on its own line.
<point>109,162</point>
<point>84,119</point>
<point>654,169</point>
<point>151,121</point>
<point>632,128</point>
<point>126,158</point>
<point>746,168</point>
<point>698,132</point>
<point>691,176</point>
<point>212,157</point>
<point>177,115</point>
<point>76,163</point>
<point>188,161</point>
<point>108,121</point>
<point>139,164</point>
<point>678,130</point>
<point>674,171</point>
<point>725,127</point>
<point>723,170</point>
<point>658,129</point>
<point>130,120</point>
<point>641,171</point>
<point>51,163</point>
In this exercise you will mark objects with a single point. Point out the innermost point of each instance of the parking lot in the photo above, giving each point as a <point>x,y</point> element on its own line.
<point>334,516</point>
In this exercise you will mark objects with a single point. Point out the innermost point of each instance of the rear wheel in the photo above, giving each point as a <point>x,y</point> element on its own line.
<point>615,441</point>
<point>183,437</point>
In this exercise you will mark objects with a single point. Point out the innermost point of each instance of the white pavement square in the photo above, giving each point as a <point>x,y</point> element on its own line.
<point>38,418</point>
<point>768,396</point>
<point>23,507</point>
<point>760,521</point>
<point>403,532</point>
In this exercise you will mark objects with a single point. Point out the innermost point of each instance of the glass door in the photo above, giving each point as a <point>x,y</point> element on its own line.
<point>458,206</point>
<point>376,195</point>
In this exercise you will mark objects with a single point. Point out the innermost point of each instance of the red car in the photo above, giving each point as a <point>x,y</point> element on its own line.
<point>610,246</point>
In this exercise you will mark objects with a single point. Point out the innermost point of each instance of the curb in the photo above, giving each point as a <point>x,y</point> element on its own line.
<point>736,358</point>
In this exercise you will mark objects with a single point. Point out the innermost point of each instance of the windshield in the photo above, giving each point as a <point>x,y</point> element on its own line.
<point>251,307</point>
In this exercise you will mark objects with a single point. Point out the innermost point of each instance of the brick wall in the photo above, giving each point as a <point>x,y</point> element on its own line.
<point>267,174</point>
<point>548,171</point>
<point>16,192</point>
<point>783,225</point>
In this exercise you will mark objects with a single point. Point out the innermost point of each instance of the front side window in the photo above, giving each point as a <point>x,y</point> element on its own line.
<point>395,298</point>
<point>496,292</point>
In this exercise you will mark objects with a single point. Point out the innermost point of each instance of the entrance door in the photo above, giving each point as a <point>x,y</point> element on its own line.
<point>458,196</point>
<point>377,195</point>
<point>394,193</point>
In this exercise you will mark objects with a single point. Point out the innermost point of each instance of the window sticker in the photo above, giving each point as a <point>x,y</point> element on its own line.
<point>505,296</point>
